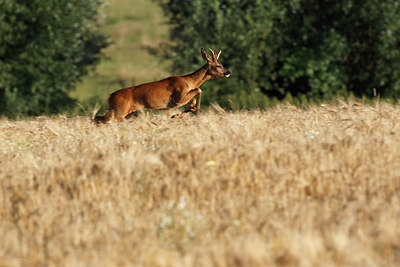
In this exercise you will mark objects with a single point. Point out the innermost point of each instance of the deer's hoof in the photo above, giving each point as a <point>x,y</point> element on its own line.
<point>179,116</point>
<point>176,116</point>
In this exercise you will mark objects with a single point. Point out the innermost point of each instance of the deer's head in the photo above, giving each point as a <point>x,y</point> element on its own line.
<point>214,67</point>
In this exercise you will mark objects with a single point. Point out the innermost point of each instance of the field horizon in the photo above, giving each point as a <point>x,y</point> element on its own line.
<point>281,187</point>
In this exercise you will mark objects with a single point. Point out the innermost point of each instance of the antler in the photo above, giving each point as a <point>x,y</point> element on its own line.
<point>215,55</point>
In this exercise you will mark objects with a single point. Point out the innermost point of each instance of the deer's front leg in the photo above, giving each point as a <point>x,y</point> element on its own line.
<point>198,100</point>
<point>193,105</point>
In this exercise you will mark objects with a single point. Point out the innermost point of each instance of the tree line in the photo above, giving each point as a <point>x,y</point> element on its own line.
<point>45,48</point>
<point>299,50</point>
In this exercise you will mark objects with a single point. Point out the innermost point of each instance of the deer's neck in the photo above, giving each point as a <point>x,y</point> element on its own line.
<point>198,77</point>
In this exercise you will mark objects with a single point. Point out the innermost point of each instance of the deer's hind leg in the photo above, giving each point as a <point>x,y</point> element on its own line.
<point>119,113</point>
<point>134,113</point>
<point>121,108</point>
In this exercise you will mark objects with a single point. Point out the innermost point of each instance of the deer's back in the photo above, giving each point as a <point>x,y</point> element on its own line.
<point>161,94</point>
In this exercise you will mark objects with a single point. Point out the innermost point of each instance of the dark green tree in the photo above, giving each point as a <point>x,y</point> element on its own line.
<point>45,47</point>
<point>282,49</point>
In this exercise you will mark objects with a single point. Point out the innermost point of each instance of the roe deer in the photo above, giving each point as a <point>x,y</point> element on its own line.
<point>171,92</point>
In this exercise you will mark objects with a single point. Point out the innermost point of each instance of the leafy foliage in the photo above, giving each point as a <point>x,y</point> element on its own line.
<point>297,49</point>
<point>45,47</point>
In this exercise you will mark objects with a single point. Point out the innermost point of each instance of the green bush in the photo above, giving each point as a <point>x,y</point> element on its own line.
<point>45,47</point>
<point>299,49</point>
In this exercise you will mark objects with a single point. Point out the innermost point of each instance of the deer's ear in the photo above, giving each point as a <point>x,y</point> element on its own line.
<point>205,55</point>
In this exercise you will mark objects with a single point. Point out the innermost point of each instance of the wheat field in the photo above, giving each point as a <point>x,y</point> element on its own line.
<point>281,187</point>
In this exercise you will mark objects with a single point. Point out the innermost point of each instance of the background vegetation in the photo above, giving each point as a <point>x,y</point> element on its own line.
<point>299,50</point>
<point>45,48</point>
<point>283,187</point>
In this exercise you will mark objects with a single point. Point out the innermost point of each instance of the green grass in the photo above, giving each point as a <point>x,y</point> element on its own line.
<point>132,25</point>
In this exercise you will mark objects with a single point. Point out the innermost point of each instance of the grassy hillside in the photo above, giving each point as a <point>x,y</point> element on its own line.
<point>287,187</point>
<point>132,25</point>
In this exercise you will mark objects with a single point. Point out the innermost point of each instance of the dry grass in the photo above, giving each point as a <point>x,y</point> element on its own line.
<point>315,187</point>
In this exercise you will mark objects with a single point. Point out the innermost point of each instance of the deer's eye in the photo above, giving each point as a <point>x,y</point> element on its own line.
<point>218,67</point>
